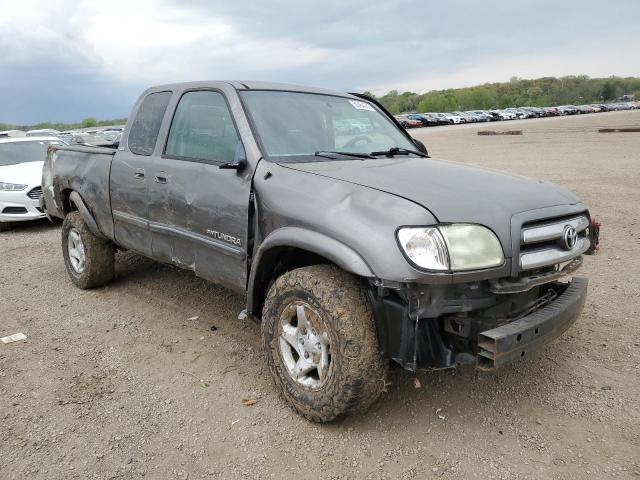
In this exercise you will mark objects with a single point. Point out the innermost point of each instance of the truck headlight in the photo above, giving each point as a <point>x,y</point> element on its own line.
<point>456,247</point>
<point>12,187</point>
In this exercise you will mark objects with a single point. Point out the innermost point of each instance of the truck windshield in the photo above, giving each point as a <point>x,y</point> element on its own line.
<point>293,126</point>
<point>12,153</point>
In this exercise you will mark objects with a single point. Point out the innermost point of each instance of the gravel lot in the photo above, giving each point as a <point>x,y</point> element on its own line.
<point>123,381</point>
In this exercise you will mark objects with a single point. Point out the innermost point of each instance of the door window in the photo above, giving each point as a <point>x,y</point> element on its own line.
<point>203,129</point>
<point>146,124</point>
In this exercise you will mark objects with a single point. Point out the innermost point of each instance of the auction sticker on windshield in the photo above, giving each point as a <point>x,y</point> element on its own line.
<point>361,105</point>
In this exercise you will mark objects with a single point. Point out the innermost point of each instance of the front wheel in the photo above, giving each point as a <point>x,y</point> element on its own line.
<point>321,344</point>
<point>90,261</point>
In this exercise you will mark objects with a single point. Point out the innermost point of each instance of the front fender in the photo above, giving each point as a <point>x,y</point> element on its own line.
<point>303,239</point>
<point>320,244</point>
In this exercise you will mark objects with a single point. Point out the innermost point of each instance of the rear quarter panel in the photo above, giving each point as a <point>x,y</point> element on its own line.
<point>85,170</point>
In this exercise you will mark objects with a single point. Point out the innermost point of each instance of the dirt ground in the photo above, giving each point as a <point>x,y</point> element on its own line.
<point>123,383</point>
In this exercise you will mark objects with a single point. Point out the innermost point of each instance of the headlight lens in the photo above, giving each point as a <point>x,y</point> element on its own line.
<point>425,247</point>
<point>472,247</point>
<point>13,187</point>
<point>455,247</point>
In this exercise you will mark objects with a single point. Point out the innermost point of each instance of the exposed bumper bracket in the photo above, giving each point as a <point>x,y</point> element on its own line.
<point>512,341</point>
<point>524,284</point>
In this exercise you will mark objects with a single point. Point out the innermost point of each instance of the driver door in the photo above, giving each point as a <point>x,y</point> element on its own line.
<point>199,211</point>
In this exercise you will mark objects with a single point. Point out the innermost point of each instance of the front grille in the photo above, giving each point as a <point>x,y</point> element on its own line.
<point>14,210</point>
<point>542,245</point>
<point>35,193</point>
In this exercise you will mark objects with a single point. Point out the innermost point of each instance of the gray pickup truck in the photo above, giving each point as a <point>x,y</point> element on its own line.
<point>354,248</point>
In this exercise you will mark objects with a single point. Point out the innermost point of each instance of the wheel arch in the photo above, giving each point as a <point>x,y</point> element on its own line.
<point>292,247</point>
<point>72,201</point>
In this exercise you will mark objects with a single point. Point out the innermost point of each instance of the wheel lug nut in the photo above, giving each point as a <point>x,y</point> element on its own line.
<point>306,354</point>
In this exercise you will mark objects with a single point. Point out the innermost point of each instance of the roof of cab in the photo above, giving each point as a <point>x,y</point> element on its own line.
<point>251,85</point>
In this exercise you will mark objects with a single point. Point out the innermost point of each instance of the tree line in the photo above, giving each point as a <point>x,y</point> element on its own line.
<point>518,92</point>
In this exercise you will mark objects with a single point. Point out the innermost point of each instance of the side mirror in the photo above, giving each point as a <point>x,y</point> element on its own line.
<point>420,146</point>
<point>234,166</point>
<point>239,160</point>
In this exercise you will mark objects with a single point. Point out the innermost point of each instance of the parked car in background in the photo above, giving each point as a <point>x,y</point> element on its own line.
<point>44,132</point>
<point>423,119</point>
<point>112,137</point>
<point>481,115</point>
<point>21,161</point>
<point>465,116</point>
<point>429,120</point>
<point>12,133</point>
<point>407,122</point>
<point>454,119</point>
<point>568,109</point>
<point>535,111</point>
<point>505,114</point>
<point>84,139</point>
<point>438,118</point>
<point>519,113</point>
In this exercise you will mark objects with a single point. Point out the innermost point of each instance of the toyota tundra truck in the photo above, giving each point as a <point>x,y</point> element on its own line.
<point>355,250</point>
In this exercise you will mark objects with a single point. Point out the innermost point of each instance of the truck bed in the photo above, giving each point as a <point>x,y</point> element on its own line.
<point>83,169</point>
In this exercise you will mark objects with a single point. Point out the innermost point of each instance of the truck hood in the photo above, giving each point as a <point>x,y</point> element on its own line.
<point>29,173</point>
<point>451,192</point>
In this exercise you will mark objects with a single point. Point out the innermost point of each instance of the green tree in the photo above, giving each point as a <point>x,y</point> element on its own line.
<point>88,122</point>
<point>608,91</point>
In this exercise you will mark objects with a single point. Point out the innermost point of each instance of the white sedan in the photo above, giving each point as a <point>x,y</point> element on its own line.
<point>21,162</point>
<point>454,119</point>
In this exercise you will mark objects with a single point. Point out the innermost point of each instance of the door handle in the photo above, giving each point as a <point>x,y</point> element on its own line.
<point>139,173</point>
<point>161,177</point>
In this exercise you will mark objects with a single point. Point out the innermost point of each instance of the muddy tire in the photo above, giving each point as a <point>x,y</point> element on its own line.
<point>321,344</point>
<point>90,261</point>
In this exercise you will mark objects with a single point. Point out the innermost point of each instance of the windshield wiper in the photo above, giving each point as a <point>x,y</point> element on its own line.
<point>328,153</point>
<point>398,151</point>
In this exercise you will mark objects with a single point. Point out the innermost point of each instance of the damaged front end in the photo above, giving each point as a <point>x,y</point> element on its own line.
<point>487,324</point>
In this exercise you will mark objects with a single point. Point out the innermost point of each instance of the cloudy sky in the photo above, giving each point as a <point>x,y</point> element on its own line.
<point>64,60</point>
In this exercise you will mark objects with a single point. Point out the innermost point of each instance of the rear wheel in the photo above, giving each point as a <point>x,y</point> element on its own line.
<point>321,344</point>
<point>90,261</point>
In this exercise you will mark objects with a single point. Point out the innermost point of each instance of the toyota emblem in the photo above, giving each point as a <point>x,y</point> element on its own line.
<point>569,237</point>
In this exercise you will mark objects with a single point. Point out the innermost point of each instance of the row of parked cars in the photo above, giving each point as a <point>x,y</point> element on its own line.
<point>433,119</point>
<point>97,137</point>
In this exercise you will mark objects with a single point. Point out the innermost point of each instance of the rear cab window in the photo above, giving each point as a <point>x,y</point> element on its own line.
<point>147,122</point>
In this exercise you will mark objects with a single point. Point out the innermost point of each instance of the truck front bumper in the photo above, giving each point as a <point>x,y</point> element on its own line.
<point>415,332</point>
<point>514,340</point>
